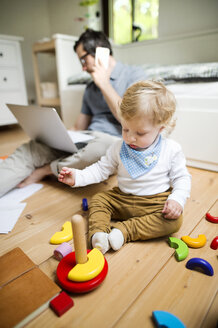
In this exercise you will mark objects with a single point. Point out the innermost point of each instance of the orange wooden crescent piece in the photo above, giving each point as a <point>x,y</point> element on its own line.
<point>195,242</point>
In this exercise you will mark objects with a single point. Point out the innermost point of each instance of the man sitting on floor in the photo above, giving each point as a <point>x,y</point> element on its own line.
<point>33,161</point>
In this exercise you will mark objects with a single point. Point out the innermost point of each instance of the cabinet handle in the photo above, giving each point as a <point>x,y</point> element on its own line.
<point>5,79</point>
<point>1,54</point>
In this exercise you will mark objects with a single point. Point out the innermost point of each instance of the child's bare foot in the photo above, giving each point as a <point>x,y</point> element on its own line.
<point>36,176</point>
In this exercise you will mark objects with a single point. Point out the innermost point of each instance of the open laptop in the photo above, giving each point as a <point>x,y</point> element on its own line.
<point>43,124</point>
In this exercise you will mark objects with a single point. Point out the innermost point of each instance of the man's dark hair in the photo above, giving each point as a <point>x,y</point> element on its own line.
<point>91,39</point>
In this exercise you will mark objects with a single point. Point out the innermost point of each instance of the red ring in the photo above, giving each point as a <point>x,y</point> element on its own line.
<point>66,264</point>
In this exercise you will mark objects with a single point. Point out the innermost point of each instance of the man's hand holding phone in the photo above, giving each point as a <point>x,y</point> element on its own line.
<point>100,74</point>
<point>102,55</point>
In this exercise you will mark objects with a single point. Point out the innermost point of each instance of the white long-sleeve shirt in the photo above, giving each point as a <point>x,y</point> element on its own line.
<point>170,171</point>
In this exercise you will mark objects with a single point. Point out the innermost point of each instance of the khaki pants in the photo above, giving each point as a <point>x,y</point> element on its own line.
<point>33,154</point>
<point>138,217</point>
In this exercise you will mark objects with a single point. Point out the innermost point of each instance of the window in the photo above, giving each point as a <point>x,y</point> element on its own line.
<point>133,20</point>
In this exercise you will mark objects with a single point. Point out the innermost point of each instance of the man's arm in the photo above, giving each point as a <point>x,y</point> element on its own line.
<point>112,99</point>
<point>101,77</point>
<point>82,122</point>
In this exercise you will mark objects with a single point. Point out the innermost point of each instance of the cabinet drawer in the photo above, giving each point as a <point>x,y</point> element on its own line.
<point>6,117</point>
<point>8,54</point>
<point>9,79</point>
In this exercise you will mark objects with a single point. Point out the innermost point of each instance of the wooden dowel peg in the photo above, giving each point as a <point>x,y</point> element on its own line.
<point>79,239</point>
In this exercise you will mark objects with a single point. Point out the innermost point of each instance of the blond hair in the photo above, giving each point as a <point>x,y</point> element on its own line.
<point>149,98</point>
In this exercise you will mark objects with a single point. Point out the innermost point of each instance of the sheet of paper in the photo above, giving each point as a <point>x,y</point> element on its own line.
<point>19,194</point>
<point>11,206</point>
<point>9,214</point>
<point>79,136</point>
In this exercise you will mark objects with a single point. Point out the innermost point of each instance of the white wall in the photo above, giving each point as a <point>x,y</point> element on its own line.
<point>187,16</point>
<point>179,21</point>
<point>181,49</point>
<point>188,33</point>
<point>37,19</point>
<point>30,20</point>
<point>68,17</point>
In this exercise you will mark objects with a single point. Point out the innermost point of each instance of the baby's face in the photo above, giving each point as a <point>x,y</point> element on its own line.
<point>139,132</point>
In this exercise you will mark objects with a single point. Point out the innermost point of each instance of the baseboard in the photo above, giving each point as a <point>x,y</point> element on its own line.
<point>202,165</point>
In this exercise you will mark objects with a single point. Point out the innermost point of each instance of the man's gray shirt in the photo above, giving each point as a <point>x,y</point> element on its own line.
<point>95,105</point>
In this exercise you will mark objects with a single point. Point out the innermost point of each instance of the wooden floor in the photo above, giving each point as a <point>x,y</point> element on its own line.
<point>143,276</point>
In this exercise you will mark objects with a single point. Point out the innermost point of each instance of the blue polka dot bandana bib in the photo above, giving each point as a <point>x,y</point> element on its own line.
<point>138,163</point>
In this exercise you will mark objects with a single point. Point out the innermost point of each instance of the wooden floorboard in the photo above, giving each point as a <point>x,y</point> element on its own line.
<point>143,276</point>
<point>210,321</point>
<point>185,293</point>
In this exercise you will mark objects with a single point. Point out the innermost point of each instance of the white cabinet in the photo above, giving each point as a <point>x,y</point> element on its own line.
<point>12,81</point>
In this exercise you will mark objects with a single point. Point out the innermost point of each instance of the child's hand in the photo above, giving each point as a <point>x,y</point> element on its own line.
<point>172,209</point>
<point>67,176</point>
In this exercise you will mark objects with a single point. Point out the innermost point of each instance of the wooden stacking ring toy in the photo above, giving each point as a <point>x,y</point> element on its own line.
<point>195,242</point>
<point>198,263</point>
<point>181,248</point>
<point>87,268</point>
<point>211,218</point>
<point>214,243</point>
<point>62,250</point>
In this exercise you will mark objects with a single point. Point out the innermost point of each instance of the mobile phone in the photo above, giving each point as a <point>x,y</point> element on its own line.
<point>102,55</point>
